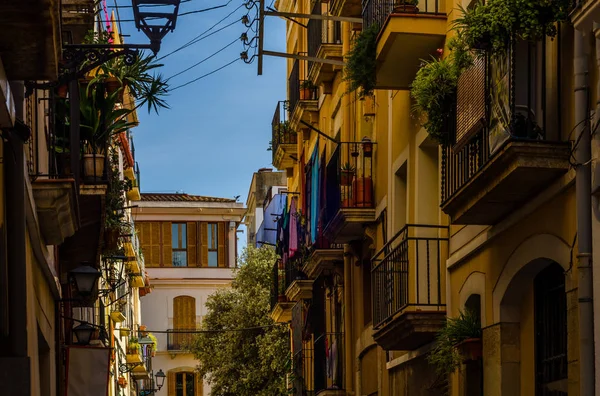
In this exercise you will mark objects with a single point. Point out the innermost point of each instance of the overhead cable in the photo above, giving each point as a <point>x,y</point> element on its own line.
<point>182,14</point>
<point>205,75</point>
<point>203,60</point>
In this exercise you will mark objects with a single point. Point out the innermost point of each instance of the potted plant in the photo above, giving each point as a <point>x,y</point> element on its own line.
<point>122,381</point>
<point>362,189</point>
<point>114,223</point>
<point>406,6</point>
<point>347,174</point>
<point>458,341</point>
<point>143,332</point>
<point>367,147</point>
<point>154,343</point>
<point>307,90</point>
<point>360,67</point>
<point>133,346</point>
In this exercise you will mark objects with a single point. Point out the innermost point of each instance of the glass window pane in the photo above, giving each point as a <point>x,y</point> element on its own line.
<point>213,259</point>
<point>216,237</point>
<point>189,384</point>
<point>179,258</point>
<point>179,384</point>
<point>174,236</point>
<point>209,235</point>
<point>183,236</point>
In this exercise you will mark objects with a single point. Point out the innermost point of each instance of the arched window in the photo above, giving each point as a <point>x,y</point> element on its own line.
<point>184,318</point>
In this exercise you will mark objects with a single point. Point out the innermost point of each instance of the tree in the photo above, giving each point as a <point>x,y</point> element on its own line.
<point>247,362</point>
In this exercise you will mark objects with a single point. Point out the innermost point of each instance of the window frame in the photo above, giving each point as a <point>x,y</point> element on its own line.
<point>184,375</point>
<point>179,229</point>
<point>213,244</point>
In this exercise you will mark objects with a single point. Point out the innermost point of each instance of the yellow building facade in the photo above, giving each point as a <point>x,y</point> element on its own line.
<point>404,232</point>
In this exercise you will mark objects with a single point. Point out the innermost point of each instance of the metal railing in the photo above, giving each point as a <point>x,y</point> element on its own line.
<point>408,271</point>
<point>378,11</point>
<point>280,128</point>
<point>178,339</point>
<point>321,32</point>
<point>329,361</point>
<point>349,176</point>
<point>497,105</point>
<point>299,87</point>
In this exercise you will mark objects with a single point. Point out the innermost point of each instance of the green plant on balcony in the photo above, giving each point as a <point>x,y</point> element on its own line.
<point>285,134</point>
<point>307,90</point>
<point>445,356</point>
<point>434,89</point>
<point>133,346</point>
<point>114,219</point>
<point>406,6</point>
<point>347,174</point>
<point>489,27</point>
<point>361,62</point>
<point>154,343</point>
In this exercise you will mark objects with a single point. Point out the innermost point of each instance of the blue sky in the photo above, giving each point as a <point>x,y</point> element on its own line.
<point>216,133</point>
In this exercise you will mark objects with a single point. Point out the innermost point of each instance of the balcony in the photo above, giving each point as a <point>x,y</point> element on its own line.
<point>407,36</point>
<point>347,8</point>
<point>177,340</point>
<point>324,255</point>
<point>30,45</point>
<point>283,276</point>
<point>284,140</point>
<point>584,14</point>
<point>328,365</point>
<point>303,95</point>
<point>506,148</point>
<point>77,19</point>
<point>408,279</point>
<point>324,42</point>
<point>350,205</point>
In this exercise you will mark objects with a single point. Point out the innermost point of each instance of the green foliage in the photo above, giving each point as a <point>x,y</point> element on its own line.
<point>250,362</point>
<point>434,88</point>
<point>490,26</point>
<point>115,195</point>
<point>154,341</point>
<point>361,62</point>
<point>444,355</point>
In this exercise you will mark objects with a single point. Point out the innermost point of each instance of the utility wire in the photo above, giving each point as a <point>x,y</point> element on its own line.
<point>149,5</point>
<point>203,60</point>
<point>182,14</point>
<point>214,331</point>
<point>205,75</point>
<point>202,36</point>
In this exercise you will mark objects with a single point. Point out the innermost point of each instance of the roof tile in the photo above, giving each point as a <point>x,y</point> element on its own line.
<point>170,197</point>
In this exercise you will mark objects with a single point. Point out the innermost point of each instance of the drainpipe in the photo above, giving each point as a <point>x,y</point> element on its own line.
<point>348,333</point>
<point>14,165</point>
<point>583,193</point>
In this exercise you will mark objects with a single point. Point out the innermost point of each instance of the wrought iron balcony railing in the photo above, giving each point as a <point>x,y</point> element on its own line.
<point>328,361</point>
<point>378,11</point>
<point>178,339</point>
<point>280,127</point>
<point>321,32</point>
<point>299,87</point>
<point>408,272</point>
<point>349,176</point>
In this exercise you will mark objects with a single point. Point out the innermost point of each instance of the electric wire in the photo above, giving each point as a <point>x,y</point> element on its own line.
<point>202,36</point>
<point>118,17</point>
<point>182,14</point>
<point>215,331</point>
<point>203,60</point>
<point>148,5</point>
<point>205,75</point>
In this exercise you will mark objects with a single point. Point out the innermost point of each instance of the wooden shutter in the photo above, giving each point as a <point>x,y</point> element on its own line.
<point>155,244</point>
<point>184,317</point>
<point>203,244</point>
<point>167,250</point>
<point>199,385</point>
<point>470,101</point>
<point>144,231</point>
<point>222,244</point>
<point>171,378</point>
<point>192,250</point>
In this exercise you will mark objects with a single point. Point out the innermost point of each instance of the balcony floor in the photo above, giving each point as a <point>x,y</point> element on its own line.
<point>349,224</point>
<point>404,41</point>
<point>515,173</point>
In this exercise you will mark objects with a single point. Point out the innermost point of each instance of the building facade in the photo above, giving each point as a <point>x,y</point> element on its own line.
<point>385,233</point>
<point>70,272</point>
<point>262,185</point>
<point>190,245</point>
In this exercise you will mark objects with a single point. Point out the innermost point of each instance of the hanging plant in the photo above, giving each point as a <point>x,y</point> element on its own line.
<point>489,27</point>
<point>361,62</point>
<point>434,89</point>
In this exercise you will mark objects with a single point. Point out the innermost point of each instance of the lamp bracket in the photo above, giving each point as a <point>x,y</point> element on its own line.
<point>80,59</point>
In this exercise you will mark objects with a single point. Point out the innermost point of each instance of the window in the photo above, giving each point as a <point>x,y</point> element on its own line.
<point>213,245</point>
<point>185,384</point>
<point>178,244</point>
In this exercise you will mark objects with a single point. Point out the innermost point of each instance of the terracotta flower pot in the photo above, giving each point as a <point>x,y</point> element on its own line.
<point>362,189</point>
<point>470,349</point>
<point>93,165</point>
<point>112,85</point>
<point>62,91</point>
<point>346,177</point>
<point>403,8</point>
<point>122,382</point>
